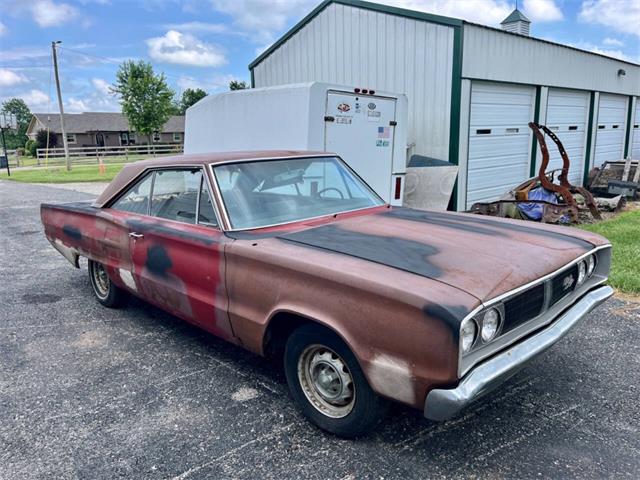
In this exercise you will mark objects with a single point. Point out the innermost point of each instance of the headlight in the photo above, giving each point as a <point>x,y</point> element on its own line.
<point>591,265</point>
<point>582,272</point>
<point>490,324</point>
<point>468,331</point>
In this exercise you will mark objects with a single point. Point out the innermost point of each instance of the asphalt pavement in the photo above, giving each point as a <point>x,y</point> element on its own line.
<point>88,392</point>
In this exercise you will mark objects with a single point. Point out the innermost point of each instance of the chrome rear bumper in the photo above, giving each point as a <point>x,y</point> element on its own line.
<point>443,404</point>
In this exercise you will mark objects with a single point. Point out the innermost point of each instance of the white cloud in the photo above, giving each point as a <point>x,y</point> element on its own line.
<point>9,78</point>
<point>74,105</point>
<point>37,100</point>
<point>3,29</point>
<point>47,13</point>
<point>101,86</point>
<point>612,42</point>
<point>614,53</point>
<point>185,49</point>
<point>487,12</point>
<point>210,85</point>
<point>199,27</point>
<point>23,53</point>
<point>620,15</point>
<point>542,10</point>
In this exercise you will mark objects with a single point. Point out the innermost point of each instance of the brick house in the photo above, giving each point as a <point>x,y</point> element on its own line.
<point>103,129</point>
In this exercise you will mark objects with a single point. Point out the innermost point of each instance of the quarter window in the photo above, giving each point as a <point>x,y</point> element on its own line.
<point>136,199</point>
<point>175,194</point>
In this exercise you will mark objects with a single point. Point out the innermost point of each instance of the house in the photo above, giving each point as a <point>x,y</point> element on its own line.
<point>472,89</point>
<point>103,129</point>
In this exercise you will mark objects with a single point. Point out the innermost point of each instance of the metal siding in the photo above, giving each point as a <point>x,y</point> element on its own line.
<point>568,108</point>
<point>612,111</point>
<point>635,131</point>
<point>379,51</point>
<point>499,160</point>
<point>494,55</point>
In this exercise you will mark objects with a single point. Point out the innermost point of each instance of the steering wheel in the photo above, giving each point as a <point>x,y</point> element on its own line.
<point>320,192</point>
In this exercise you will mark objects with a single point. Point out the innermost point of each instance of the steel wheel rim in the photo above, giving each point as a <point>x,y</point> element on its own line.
<point>101,282</point>
<point>326,381</point>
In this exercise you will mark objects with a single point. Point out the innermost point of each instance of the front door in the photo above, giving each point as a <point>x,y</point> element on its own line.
<point>177,258</point>
<point>99,139</point>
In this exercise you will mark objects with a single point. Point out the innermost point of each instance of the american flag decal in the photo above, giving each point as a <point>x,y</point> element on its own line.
<point>383,132</point>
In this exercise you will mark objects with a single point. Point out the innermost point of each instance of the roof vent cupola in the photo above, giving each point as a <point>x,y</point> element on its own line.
<point>516,22</point>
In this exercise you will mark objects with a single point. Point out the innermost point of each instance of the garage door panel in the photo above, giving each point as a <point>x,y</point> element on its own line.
<point>610,131</point>
<point>635,131</point>
<point>499,139</point>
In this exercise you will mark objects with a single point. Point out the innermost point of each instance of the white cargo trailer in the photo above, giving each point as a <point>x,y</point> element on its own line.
<point>366,128</point>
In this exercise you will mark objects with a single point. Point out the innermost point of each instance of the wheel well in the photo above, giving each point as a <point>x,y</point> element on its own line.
<point>281,325</point>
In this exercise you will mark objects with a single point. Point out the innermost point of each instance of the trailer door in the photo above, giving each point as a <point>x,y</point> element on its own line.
<point>360,129</point>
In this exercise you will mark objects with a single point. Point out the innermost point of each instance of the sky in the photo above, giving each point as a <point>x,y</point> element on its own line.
<point>205,44</point>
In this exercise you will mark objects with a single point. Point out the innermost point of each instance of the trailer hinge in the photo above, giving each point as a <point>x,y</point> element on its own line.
<point>393,123</point>
<point>329,118</point>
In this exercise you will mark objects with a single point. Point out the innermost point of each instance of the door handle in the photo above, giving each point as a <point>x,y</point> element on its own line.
<point>136,235</point>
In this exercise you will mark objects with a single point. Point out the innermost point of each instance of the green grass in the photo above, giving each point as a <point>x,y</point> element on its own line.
<point>78,173</point>
<point>624,233</point>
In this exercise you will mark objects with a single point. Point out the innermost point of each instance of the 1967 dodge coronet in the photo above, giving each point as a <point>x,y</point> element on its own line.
<point>291,254</point>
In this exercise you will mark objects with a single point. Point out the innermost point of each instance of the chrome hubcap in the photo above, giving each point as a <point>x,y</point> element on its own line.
<point>100,280</point>
<point>326,381</point>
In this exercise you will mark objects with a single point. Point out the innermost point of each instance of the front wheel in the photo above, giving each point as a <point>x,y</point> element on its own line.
<point>106,292</point>
<point>328,385</point>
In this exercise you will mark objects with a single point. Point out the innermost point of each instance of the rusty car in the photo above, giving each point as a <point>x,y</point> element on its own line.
<point>291,255</point>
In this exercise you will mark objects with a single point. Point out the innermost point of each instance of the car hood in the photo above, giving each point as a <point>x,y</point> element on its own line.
<point>483,256</point>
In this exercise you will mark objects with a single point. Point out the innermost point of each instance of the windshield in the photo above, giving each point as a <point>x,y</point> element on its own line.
<point>270,192</point>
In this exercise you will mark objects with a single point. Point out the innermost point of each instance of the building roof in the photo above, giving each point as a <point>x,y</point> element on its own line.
<point>98,122</point>
<point>515,16</point>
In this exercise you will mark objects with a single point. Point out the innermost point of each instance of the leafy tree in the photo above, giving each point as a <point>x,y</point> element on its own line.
<point>30,147</point>
<point>189,97</point>
<point>41,139</point>
<point>237,85</point>
<point>17,138</point>
<point>146,99</point>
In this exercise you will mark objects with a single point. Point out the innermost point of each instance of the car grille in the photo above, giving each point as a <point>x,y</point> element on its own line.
<point>523,307</point>
<point>532,302</point>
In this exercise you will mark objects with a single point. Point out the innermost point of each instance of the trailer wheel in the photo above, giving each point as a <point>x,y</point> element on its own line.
<point>105,291</point>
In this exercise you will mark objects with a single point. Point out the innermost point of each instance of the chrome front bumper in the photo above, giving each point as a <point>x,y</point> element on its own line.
<point>443,404</point>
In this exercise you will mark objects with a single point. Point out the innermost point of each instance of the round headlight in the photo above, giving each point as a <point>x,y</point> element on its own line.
<point>490,324</point>
<point>468,331</point>
<point>591,265</point>
<point>582,272</point>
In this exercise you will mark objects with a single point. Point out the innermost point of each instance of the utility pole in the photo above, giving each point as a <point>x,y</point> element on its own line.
<point>62,130</point>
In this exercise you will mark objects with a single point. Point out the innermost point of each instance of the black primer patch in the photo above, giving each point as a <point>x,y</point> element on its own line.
<point>452,315</point>
<point>72,232</point>
<point>479,224</point>
<point>158,261</point>
<point>399,253</point>
<point>78,207</point>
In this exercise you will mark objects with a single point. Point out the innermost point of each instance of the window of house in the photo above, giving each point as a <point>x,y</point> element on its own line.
<point>156,137</point>
<point>177,136</point>
<point>175,194</point>
<point>124,138</point>
<point>136,199</point>
<point>71,138</point>
<point>132,138</point>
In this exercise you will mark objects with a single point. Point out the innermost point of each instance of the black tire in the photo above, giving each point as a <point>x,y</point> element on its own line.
<point>105,291</point>
<point>357,417</point>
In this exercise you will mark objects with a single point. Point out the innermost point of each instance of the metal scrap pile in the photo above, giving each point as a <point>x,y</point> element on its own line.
<point>543,199</point>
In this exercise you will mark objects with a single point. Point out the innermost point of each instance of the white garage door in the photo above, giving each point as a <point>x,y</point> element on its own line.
<point>499,139</point>
<point>567,117</point>
<point>610,131</point>
<point>635,131</point>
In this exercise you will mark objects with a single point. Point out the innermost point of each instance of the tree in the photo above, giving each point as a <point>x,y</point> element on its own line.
<point>42,137</point>
<point>189,97</point>
<point>237,85</point>
<point>145,98</point>
<point>17,138</point>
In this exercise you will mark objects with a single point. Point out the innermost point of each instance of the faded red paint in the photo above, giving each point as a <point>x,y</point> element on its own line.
<point>400,325</point>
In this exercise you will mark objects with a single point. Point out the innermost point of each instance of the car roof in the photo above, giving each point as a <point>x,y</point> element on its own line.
<point>131,171</point>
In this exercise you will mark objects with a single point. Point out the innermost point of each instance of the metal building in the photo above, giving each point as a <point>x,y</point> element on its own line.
<point>472,89</point>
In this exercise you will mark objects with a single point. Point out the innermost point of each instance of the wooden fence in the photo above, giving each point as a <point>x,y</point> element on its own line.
<point>88,155</point>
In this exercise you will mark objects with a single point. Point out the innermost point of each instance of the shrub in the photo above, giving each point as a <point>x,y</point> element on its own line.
<point>30,147</point>
<point>41,139</point>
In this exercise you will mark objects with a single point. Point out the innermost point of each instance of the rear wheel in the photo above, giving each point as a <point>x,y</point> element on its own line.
<point>328,385</point>
<point>105,291</point>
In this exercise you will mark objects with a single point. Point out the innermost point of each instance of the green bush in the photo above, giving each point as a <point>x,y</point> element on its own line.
<point>42,136</point>
<point>30,147</point>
